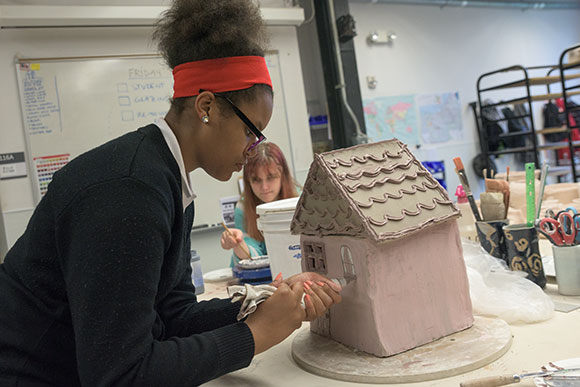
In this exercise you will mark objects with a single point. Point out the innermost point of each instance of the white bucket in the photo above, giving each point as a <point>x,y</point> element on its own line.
<point>274,220</point>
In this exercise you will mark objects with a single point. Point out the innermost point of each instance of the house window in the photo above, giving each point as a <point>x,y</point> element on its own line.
<point>347,263</point>
<point>315,257</point>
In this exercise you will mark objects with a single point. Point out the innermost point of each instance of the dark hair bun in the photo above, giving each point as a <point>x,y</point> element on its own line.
<point>194,30</point>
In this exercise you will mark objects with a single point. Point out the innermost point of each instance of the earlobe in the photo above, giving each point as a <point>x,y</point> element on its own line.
<point>203,104</point>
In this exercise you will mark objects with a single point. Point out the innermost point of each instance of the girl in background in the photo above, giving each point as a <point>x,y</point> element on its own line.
<point>266,179</point>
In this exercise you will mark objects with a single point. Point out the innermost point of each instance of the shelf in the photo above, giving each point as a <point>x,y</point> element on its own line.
<point>515,134</point>
<point>560,170</point>
<point>543,97</point>
<point>507,119</point>
<point>551,146</point>
<point>573,108</point>
<point>513,150</point>
<point>571,65</point>
<point>558,145</point>
<point>572,88</point>
<point>536,81</point>
<point>534,98</point>
<point>560,129</point>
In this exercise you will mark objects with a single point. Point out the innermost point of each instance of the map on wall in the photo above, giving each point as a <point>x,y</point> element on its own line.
<point>392,117</point>
<point>440,116</point>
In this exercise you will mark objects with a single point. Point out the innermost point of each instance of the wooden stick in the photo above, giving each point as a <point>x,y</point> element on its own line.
<point>485,178</point>
<point>545,168</point>
<point>507,174</point>
<point>245,250</point>
<point>491,381</point>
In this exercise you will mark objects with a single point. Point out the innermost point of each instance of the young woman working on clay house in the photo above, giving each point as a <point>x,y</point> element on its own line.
<point>98,290</point>
<point>266,178</point>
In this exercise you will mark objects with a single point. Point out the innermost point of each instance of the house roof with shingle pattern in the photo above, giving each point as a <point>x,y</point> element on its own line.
<point>378,191</point>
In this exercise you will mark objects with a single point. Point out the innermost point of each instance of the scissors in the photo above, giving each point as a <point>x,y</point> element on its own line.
<point>571,211</point>
<point>550,213</point>
<point>556,231</point>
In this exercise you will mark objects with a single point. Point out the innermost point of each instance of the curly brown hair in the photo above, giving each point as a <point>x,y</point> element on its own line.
<point>192,30</point>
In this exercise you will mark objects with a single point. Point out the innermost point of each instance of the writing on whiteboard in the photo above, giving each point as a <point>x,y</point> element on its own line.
<point>41,104</point>
<point>145,73</point>
<point>145,93</point>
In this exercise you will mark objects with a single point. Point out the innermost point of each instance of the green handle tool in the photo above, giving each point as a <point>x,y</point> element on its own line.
<point>530,194</point>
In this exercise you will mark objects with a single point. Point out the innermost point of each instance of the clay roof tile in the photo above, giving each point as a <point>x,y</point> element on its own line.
<point>378,191</point>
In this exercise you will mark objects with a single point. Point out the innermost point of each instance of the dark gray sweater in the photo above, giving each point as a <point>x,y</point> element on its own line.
<point>98,291</point>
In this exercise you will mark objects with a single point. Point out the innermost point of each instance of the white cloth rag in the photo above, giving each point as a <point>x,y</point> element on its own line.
<point>251,296</point>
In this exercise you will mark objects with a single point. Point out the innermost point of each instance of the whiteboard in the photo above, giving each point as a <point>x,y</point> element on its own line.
<point>71,105</point>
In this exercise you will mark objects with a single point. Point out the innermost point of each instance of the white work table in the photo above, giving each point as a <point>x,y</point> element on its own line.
<point>533,345</point>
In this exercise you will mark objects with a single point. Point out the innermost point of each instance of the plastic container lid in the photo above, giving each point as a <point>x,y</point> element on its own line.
<point>277,206</point>
<point>276,216</point>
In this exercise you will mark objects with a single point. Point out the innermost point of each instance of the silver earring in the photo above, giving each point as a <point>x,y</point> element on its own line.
<point>205,119</point>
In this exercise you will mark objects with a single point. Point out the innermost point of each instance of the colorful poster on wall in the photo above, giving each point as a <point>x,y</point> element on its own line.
<point>46,167</point>
<point>440,116</point>
<point>392,117</point>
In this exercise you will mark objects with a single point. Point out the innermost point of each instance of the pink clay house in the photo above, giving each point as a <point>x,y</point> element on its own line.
<point>374,213</point>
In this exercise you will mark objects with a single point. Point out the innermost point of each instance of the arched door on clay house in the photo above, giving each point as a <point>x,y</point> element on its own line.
<point>347,262</point>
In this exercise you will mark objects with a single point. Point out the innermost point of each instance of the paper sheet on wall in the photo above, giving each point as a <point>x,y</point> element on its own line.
<point>440,116</point>
<point>12,165</point>
<point>392,117</point>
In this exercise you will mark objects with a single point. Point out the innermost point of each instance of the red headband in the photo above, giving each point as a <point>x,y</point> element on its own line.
<point>219,75</point>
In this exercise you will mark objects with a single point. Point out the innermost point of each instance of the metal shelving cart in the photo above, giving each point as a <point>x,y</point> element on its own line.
<point>520,83</point>
<point>569,78</point>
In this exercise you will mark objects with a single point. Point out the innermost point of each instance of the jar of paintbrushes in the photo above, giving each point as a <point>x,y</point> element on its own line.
<point>494,206</point>
<point>521,240</point>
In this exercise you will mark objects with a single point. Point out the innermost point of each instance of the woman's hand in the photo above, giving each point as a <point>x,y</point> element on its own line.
<point>320,292</point>
<point>231,239</point>
<point>277,317</point>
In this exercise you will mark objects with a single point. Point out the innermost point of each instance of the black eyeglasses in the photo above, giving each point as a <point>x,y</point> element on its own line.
<point>259,135</point>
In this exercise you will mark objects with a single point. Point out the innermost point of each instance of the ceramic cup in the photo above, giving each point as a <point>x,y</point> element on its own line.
<point>523,252</point>
<point>567,264</point>
<point>491,237</point>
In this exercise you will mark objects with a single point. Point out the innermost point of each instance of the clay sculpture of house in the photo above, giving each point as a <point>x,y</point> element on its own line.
<point>374,215</point>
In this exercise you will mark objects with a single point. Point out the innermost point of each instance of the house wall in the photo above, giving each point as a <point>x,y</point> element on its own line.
<point>419,288</point>
<point>349,319</point>
<point>407,292</point>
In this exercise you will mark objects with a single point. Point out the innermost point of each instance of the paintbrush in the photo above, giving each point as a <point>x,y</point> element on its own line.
<point>245,250</point>
<point>463,178</point>
<point>504,380</point>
